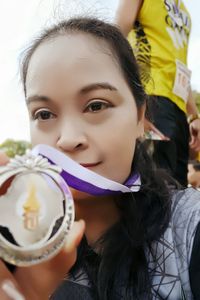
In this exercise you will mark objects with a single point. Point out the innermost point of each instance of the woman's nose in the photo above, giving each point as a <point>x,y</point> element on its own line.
<point>72,137</point>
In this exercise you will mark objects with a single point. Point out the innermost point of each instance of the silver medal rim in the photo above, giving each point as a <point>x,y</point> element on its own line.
<point>22,256</point>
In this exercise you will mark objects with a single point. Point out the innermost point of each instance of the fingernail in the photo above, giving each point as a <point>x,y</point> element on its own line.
<point>11,291</point>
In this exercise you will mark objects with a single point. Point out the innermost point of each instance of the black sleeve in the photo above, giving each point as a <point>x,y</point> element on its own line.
<point>194,268</point>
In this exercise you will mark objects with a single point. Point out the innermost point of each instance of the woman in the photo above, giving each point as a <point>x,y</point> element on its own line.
<point>85,98</point>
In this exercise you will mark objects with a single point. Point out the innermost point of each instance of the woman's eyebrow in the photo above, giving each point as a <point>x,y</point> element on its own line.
<point>84,90</point>
<point>37,98</point>
<point>97,86</point>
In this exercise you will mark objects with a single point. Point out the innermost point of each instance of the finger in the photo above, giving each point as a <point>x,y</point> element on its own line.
<point>75,236</point>
<point>72,241</point>
<point>67,256</point>
<point>193,135</point>
<point>195,138</point>
<point>9,289</point>
<point>54,270</point>
<point>196,145</point>
<point>192,139</point>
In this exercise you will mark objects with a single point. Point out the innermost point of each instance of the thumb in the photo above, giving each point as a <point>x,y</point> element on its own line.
<point>60,265</point>
<point>53,271</point>
<point>67,256</point>
<point>75,235</point>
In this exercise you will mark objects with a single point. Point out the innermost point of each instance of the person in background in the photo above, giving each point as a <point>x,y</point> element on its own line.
<point>85,98</point>
<point>158,32</point>
<point>194,174</point>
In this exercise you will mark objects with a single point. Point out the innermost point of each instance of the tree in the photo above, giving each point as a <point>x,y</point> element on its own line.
<point>12,147</point>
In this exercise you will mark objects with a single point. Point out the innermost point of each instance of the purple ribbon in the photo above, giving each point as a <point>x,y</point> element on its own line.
<point>84,180</point>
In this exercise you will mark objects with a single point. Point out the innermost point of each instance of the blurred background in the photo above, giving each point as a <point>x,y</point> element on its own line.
<point>20,21</point>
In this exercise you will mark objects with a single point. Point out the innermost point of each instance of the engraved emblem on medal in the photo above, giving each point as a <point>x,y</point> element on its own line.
<point>36,210</point>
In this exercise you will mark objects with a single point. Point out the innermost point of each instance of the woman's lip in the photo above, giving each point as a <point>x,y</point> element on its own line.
<point>90,165</point>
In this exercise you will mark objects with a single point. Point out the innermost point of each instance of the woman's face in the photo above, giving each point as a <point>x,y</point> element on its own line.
<point>80,103</point>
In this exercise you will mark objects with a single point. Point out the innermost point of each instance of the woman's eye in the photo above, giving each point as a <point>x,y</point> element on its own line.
<point>43,115</point>
<point>97,106</point>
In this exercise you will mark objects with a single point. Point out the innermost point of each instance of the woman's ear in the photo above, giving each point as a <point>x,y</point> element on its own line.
<point>141,118</point>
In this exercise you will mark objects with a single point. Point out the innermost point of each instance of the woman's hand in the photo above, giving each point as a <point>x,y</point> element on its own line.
<point>38,282</point>
<point>195,135</point>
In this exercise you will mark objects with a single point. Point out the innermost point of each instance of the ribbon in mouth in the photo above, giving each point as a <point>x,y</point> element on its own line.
<point>83,179</point>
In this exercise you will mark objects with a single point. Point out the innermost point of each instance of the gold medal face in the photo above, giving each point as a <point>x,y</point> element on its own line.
<point>35,216</point>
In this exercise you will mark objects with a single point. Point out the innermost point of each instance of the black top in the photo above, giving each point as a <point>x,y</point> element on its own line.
<point>83,287</point>
<point>75,289</point>
<point>194,269</point>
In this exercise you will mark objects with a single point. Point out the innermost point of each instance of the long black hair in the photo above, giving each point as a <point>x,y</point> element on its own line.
<point>144,215</point>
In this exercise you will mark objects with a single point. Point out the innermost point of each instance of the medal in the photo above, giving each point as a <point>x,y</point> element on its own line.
<point>36,210</point>
<point>85,180</point>
<point>36,205</point>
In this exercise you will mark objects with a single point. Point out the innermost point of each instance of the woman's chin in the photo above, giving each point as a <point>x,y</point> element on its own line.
<point>78,195</point>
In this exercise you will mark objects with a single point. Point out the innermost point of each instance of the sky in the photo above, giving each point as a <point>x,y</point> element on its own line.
<point>20,21</point>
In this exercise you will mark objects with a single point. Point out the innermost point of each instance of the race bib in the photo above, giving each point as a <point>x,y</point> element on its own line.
<point>182,81</point>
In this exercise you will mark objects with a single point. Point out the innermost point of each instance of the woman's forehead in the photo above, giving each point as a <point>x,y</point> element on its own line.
<point>72,45</point>
<point>76,56</point>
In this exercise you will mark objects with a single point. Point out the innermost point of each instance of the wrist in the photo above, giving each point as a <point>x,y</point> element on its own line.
<point>193,117</point>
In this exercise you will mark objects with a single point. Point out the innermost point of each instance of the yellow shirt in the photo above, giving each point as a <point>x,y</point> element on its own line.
<point>157,41</point>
